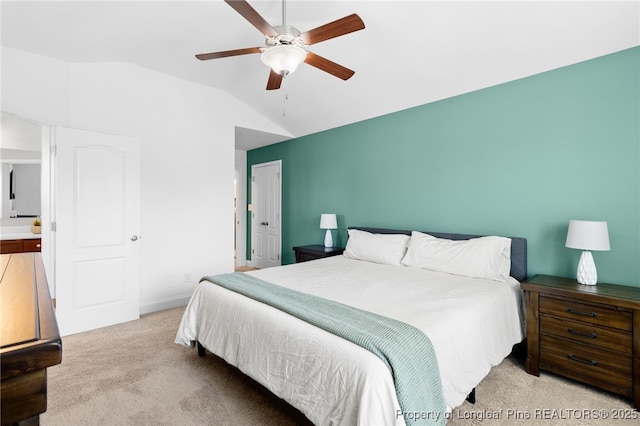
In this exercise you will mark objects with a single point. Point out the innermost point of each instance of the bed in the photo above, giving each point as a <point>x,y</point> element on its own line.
<point>461,291</point>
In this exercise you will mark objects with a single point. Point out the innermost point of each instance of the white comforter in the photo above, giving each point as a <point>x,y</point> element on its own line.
<point>471,323</point>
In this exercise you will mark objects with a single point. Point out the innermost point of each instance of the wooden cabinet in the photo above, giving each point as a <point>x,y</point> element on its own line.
<point>20,246</point>
<point>29,338</point>
<point>587,333</point>
<point>11,246</point>
<point>312,252</point>
<point>32,245</point>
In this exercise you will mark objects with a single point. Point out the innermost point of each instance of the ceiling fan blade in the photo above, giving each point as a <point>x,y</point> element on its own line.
<point>343,26</point>
<point>275,80</point>
<point>226,53</point>
<point>254,18</point>
<point>328,66</point>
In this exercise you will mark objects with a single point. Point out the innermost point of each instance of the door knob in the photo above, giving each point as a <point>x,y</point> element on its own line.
<point>134,238</point>
<point>264,223</point>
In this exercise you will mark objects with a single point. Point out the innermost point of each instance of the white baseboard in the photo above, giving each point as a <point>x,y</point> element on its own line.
<point>162,304</point>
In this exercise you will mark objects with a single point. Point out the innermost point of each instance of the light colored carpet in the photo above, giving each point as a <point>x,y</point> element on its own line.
<point>133,374</point>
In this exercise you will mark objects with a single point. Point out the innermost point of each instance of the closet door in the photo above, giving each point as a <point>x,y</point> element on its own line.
<point>266,237</point>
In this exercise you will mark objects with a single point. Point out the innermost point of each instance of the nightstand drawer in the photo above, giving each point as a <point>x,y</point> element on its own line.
<point>305,257</point>
<point>585,363</point>
<point>313,252</point>
<point>593,314</point>
<point>605,338</point>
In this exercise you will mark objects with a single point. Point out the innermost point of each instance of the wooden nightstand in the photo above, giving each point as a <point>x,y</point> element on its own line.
<point>587,333</point>
<point>304,253</point>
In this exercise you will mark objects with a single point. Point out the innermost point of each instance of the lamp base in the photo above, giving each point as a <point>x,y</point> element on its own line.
<point>587,274</point>
<point>328,239</point>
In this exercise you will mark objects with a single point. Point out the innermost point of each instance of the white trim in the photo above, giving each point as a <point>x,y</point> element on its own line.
<point>48,205</point>
<point>165,303</point>
<point>241,208</point>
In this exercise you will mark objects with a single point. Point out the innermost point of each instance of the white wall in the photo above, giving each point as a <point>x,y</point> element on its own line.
<point>35,87</point>
<point>186,134</point>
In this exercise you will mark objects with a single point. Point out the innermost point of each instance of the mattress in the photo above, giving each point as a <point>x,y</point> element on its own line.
<point>472,324</point>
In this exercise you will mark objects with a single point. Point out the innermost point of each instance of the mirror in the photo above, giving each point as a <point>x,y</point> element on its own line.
<point>20,158</point>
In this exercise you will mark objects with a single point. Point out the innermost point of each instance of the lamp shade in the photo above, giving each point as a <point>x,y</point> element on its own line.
<point>284,58</point>
<point>328,221</point>
<point>588,235</point>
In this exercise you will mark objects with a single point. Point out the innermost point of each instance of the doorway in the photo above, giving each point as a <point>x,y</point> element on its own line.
<point>27,142</point>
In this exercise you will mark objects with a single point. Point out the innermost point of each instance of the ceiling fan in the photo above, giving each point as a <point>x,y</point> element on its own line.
<point>285,45</point>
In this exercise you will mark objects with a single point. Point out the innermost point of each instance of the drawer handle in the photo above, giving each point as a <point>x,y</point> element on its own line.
<point>585,314</point>
<point>584,361</point>
<point>579,333</point>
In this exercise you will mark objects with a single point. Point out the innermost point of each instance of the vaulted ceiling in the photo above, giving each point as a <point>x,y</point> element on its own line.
<point>409,54</point>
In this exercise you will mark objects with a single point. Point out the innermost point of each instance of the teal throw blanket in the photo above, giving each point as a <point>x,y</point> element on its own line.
<point>407,351</point>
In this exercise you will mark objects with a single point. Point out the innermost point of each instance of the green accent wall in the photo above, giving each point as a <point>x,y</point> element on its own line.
<point>517,159</point>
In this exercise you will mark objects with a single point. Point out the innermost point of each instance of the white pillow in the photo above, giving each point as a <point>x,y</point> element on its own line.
<point>379,248</point>
<point>483,257</point>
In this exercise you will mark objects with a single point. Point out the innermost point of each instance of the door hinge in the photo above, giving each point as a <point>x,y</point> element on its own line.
<point>278,257</point>
<point>253,251</point>
<point>54,226</point>
<point>53,149</point>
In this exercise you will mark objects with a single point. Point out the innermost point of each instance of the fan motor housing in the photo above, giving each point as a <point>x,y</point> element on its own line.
<point>286,35</point>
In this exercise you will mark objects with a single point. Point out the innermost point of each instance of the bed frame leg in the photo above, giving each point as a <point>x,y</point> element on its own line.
<point>472,396</point>
<point>201,350</point>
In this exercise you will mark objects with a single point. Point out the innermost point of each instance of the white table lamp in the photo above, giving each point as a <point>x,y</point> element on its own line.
<point>587,235</point>
<point>328,221</point>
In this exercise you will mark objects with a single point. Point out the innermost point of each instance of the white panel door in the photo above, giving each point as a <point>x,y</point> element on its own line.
<point>97,243</point>
<point>266,206</point>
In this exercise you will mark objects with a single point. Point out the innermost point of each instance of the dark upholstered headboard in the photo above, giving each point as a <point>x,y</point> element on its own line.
<point>518,247</point>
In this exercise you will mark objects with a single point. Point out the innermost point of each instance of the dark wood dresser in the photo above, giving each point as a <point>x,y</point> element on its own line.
<point>587,333</point>
<point>29,338</point>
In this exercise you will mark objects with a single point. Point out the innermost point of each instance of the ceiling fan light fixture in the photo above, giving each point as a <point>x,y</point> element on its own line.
<point>284,58</point>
